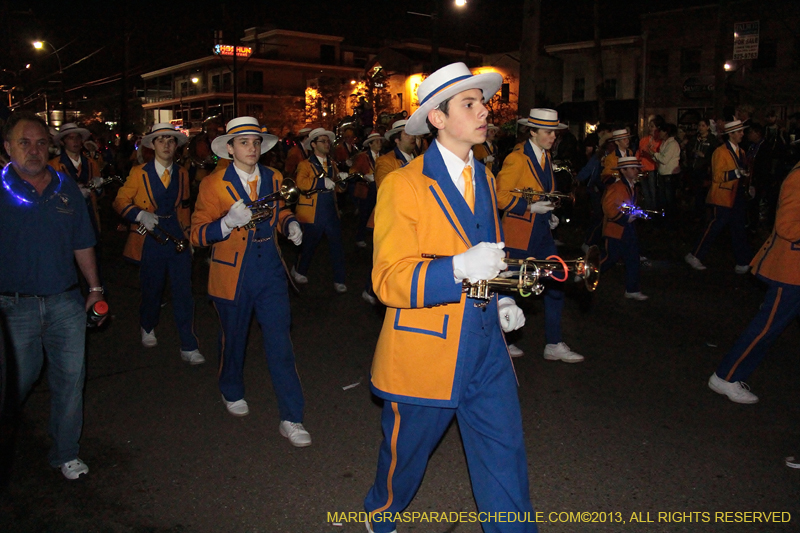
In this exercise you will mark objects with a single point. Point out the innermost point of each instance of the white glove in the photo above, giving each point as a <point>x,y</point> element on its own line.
<point>483,261</point>
<point>489,159</point>
<point>511,317</point>
<point>554,222</point>
<point>751,191</point>
<point>343,175</point>
<point>295,233</point>
<point>540,208</point>
<point>349,162</point>
<point>329,184</point>
<point>370,177</point>
<point>738,173</point>
<point>147,219</point>
<point>97,182</point>
<point>84,191</point>
<point>238,215</point>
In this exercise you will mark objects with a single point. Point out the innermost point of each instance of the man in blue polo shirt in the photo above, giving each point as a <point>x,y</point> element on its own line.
<point>44,231</point>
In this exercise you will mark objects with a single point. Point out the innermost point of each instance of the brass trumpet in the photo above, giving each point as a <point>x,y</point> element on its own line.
<point>261,208</point>
<point>311,192</point>
<point>525,275</point>
<point>341,183</point>
<point>635,210</point>
<point>180,244</point>
<point>562,166</point>
<point>530,195</point>
<point>110,179</point>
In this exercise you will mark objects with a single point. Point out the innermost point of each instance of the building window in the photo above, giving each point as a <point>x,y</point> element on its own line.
<point>400,100</point>
<point>327,54</point>
<point>505,92</point>
<point>254,80</point>
<point>659,63</point>
<point>690,60</point>
<point>227,82</point>
<point>767,55</point>
<point>610,88</point>
<point>579,90</point>
<point>215,83</point>
<point>254,110</point>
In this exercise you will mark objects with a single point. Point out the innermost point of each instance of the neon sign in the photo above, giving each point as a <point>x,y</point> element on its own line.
<point>228,50</point>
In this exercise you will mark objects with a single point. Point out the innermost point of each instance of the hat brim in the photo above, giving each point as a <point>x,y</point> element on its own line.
<point>620,138</point>
<point>560,126</point>
<point>489,83</point>
<point>218,145</point>
<point>85,134</point>
<point>369,140</point>
<point>388,134</point>
<point>627,166</point>
<point>180,138</point>
<point>325,133</point>
<point>740,128</point>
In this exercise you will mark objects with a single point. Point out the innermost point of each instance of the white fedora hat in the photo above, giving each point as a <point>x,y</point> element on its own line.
<point>446,82</point>
<point>617,135</point>
<point>319,132</point>
<point>732,126</point>
<point>70,127</point>
<point>628,162</point>
<point>491,126</point>
<point>160,129</point>
<point>398,125</point>
<point>242,126</point>
<point>544,119</point>
<point>371,137</point>
<point>303,132</point>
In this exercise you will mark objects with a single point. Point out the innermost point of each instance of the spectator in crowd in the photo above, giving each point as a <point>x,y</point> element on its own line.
<point>698,160</point>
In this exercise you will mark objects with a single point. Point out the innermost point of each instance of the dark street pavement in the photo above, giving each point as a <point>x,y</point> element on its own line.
<point>630,433</point>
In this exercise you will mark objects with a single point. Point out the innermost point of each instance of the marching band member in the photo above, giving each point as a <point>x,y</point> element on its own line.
<point>728,201</point>
<point>319,214</point>
<point>778,265</point>
<point>83,170</point>
<point>438,355</point>
<point>156,196</point>
<point>247,272</point>
<point>528,226</point>
<point>618,229</point>
<point>297,153</point>
<point>622,140</point>
<point>403,148</point>
<point>366,193</point>
<point>346,150</point>
<point>487,152</point>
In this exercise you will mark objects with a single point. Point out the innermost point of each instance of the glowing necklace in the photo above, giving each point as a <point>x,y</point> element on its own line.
<point>22,199</point>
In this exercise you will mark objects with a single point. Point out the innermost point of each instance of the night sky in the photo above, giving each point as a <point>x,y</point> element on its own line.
<point>165,33</point>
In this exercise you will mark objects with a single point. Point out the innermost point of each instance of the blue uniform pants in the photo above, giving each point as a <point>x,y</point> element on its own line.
<point>365,207</point>
<point>268,297</point>
<point>721,217</point>
<point>490,423</point>
<point>312,235</point>
<point>54,326</point>
<point>158,262</point>
<point>628,249</point>
<point>781,306</point>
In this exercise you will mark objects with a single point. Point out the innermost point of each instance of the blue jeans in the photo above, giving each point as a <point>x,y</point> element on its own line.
<point>56,326</point>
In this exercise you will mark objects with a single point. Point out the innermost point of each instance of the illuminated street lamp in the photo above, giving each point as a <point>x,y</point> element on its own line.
<point>39,45</point>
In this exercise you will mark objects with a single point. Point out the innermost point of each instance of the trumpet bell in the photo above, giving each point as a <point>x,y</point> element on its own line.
<point>591,268</point>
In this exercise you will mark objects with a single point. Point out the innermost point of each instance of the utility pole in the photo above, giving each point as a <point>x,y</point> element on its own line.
<point>529,55</point>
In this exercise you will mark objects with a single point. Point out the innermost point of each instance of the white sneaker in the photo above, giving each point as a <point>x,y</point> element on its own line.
<point>149,339</point>
<point>694,262</point>
<point>193,357</point>
<point>340,287</point>
<point>636,296</point>
<point>296,433</point>
<point>642,259</point>
<point>561,352</point>
<point>74,469</point>
<point>298,278</point>
<point>791,462</point>
<point>741,269</point>
<point>237,408</point>
<point>361,244</point>
<point>513,351</point>
<point>738,391</point>
<point>370,299</point>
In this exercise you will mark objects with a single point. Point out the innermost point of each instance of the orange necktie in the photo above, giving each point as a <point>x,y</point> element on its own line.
<point>469,189</point>
<point>165,178</point>
<point>544,159</point>
<point>253,189</point>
